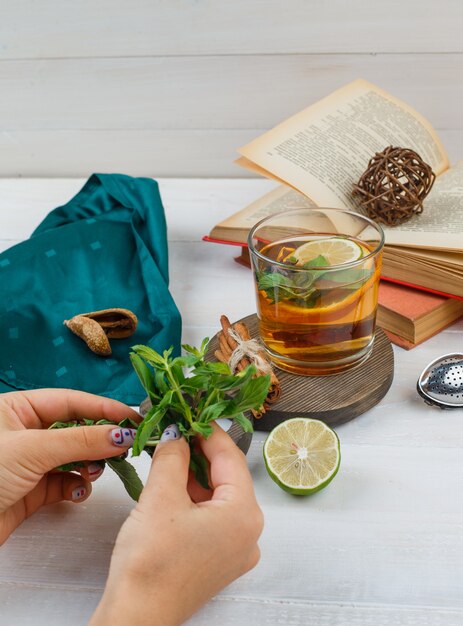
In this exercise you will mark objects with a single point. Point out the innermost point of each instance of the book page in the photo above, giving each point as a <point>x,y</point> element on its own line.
<point>323,150</point>
<point>440,225</point>
<point>252,167</point>
<point>435,257</point>
<point>236,228</point>
<point>280,199</point>
<point>442,281</point>
<point>423,261</point>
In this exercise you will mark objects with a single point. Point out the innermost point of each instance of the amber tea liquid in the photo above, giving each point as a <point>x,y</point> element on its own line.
<point>316,321</point>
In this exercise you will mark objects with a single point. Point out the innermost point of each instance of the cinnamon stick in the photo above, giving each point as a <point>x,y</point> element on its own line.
<point>220,356</point>
<point>226,347</point>
<point>227,340</point>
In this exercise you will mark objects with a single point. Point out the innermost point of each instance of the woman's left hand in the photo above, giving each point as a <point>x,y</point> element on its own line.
<point>29,451</point>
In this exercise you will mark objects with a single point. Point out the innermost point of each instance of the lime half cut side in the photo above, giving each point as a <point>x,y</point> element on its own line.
<point>302,455</point>
<point>336,250</point>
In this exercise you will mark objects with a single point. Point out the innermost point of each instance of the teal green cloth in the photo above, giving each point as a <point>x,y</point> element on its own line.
<point>105,248</point>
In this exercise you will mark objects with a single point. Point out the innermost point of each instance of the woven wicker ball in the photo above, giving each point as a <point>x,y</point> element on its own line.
<point>394,185</point>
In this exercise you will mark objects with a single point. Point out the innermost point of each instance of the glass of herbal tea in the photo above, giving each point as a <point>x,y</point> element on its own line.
<point>316,275</point>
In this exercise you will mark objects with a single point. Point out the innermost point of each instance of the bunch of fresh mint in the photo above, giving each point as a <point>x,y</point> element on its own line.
<point>188,391</point>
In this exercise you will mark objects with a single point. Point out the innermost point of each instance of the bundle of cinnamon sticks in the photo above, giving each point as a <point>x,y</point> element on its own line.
<point>227,346</point>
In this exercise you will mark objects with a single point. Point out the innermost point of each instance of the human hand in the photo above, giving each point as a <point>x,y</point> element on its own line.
<point>182,544</point>
<point>28,451</point>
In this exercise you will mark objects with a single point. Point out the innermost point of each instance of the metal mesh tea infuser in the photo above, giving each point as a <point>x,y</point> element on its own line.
<point>441,382</point>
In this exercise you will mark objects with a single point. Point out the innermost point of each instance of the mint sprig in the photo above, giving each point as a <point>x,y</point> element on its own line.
<point>209,392</point>
<point>188,391</point>
<point>303,288</point>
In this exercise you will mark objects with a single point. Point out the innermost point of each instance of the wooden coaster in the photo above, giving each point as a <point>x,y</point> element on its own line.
<point>333,399</point>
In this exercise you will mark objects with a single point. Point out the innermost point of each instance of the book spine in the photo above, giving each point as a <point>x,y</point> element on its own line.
<point>224,241</point>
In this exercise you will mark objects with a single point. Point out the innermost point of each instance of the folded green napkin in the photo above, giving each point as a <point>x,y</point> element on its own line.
<point>105,248</point>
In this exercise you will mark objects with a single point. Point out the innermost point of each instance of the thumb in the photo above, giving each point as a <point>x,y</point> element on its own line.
<point>51,448</point>
<point>168,476</point>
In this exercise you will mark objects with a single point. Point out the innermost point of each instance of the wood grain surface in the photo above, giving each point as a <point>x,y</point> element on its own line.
<point>52,29</point>
<point>173,88</point>
<point>382,545</point>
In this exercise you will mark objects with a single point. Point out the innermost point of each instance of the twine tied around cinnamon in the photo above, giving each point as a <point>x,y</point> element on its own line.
<point>249,348</point>
<point>238,350</point>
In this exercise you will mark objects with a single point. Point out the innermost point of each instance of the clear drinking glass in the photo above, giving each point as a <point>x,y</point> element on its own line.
<point>316,275</point>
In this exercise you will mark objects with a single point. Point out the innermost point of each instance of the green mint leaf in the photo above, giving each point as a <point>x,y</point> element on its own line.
<point>176,370</point>
<point>203,348</point>
<point>350,277</point>
<point>149,355</point>
<point>127,423</point>
<point>253,394</point>
<point>272,280</point>
<point>63,425</point>
<point>244,422</point>
<point>295,286</point>
<point>202,429</point>
<point>190,349</point>
<point>145,430</point>
<point>195,384</point>
<point>160,381</point>
<point>227,383</point>
<point>128,474</point>
<point>211,368</point>
<point>166,353</point>
<point>184,361</point>
<point>214,411</point>
<point>144,374</point>
<point>318,261</point>
<point>194,351</point>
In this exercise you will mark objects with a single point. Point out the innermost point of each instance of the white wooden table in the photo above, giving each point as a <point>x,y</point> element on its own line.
<point>383,544</point>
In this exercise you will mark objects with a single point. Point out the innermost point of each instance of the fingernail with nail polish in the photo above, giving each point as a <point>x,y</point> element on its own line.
<point>170,433</point>
<point>123,436</point>
<point>94,469</point>
<point>78,493</point>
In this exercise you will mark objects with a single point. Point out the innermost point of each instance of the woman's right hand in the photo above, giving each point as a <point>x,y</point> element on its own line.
<point>181,545</point>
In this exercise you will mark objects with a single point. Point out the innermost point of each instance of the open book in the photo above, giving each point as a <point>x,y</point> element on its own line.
<point>321,152</point>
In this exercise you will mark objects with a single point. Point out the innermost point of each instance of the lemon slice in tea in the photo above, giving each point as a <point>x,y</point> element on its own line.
<point>302,455</point>
<point>336,250</point>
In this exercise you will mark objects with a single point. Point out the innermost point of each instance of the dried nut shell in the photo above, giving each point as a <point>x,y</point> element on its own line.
<point>91,332</point>
<point>116,323</point>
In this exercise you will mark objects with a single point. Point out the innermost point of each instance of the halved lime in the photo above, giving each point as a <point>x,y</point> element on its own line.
<point>302,455</point>
<point>336,250</point>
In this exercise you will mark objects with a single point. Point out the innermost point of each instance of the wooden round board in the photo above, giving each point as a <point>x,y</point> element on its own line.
<point>334,399</point>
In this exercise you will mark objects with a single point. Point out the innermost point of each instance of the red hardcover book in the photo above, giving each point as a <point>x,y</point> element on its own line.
<point>413,316</point>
